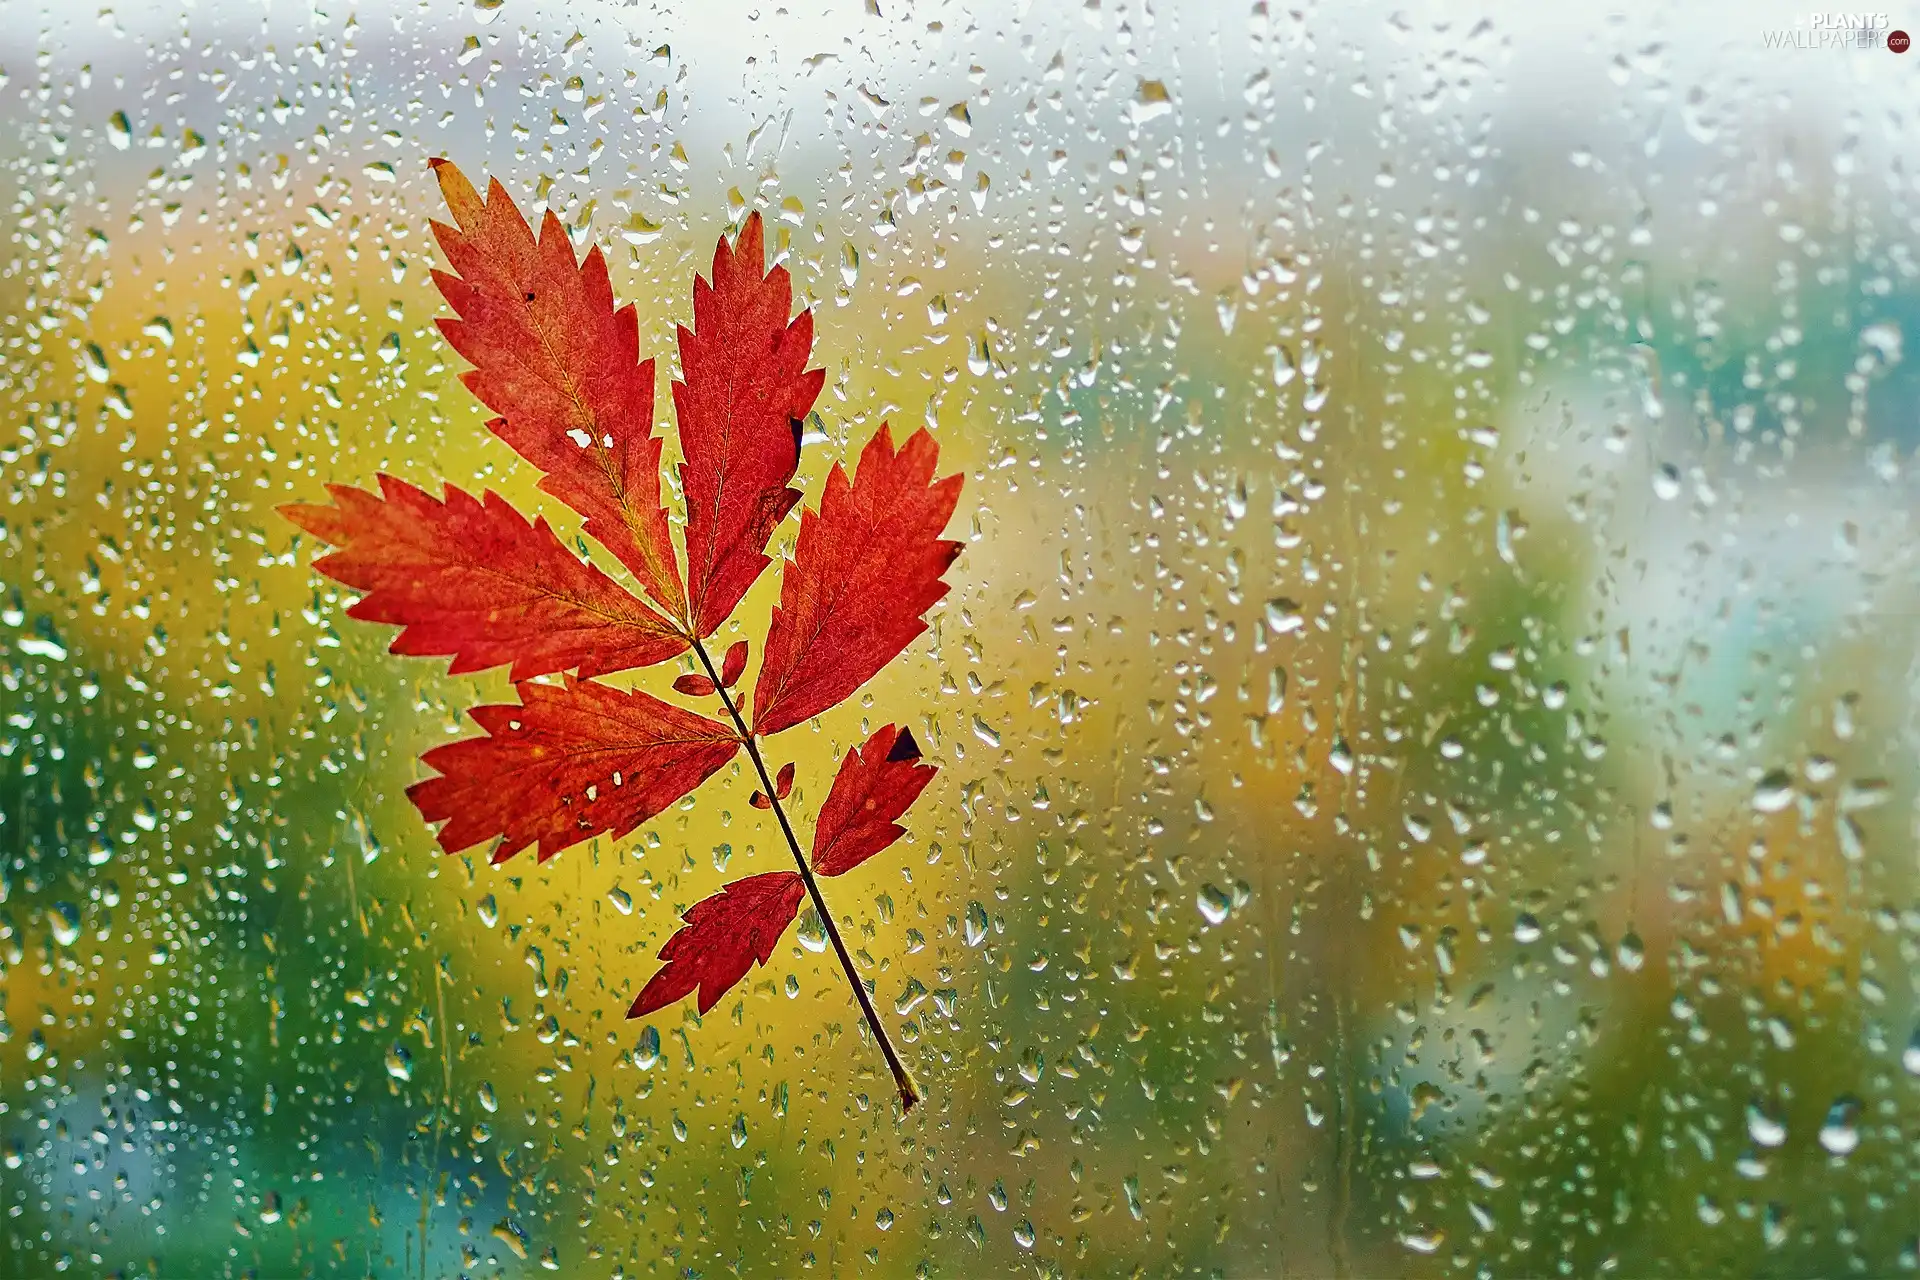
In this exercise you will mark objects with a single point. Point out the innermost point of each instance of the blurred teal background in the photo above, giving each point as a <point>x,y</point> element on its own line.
<point>1427,715</point>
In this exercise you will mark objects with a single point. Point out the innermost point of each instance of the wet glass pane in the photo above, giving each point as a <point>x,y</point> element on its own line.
<point>1426,713</point>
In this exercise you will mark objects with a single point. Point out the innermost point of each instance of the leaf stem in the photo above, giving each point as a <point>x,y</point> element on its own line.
<point>901,1080</point>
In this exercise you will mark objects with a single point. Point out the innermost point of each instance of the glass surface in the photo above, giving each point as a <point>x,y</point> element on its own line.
<point>1427,712</point>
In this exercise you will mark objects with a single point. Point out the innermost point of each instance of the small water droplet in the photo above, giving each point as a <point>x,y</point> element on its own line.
<point>1215,906</point>
<point>399,1063</point>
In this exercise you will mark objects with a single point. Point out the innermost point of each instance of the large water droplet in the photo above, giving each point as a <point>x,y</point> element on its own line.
<point>1764,1129</point>
<point>65,919</point>
<point>976,924</point>
<point>811,933</point>
<point>647,1051</point>
<point>1840,1134</point>
<point>1773,792</point>
<point>1283,615</point>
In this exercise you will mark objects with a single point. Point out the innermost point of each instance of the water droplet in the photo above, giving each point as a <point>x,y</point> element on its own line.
<point>489,911</point>
<point>484,12</point>
<point>1284,368</point>
<point>1526,928</point>
<point>1839,1135</point>
<point>1773,792</point>
<point>976,925</point>
<point>1283,615</point>
<point>399,1063</point>
<point>647,1051</point>
<point>1214,905</point>
<point>1764,1129</point>
<point>811,933</point>
<point>1884,338</point>
<point>65,919</point>
<point>1910,1056</point>
<point>486,1097</point>
<point>1151,101</point>
<point>507,1231</point>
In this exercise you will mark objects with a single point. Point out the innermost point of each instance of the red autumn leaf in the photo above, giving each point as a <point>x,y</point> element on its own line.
<point>475,580</point>
<point>722,938</point>
<point>878,781</point>
<point>866,566</point>
<point>561,367</point>
<point>743,393</point>
<point>733,664</point>
<point>568,763</point>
